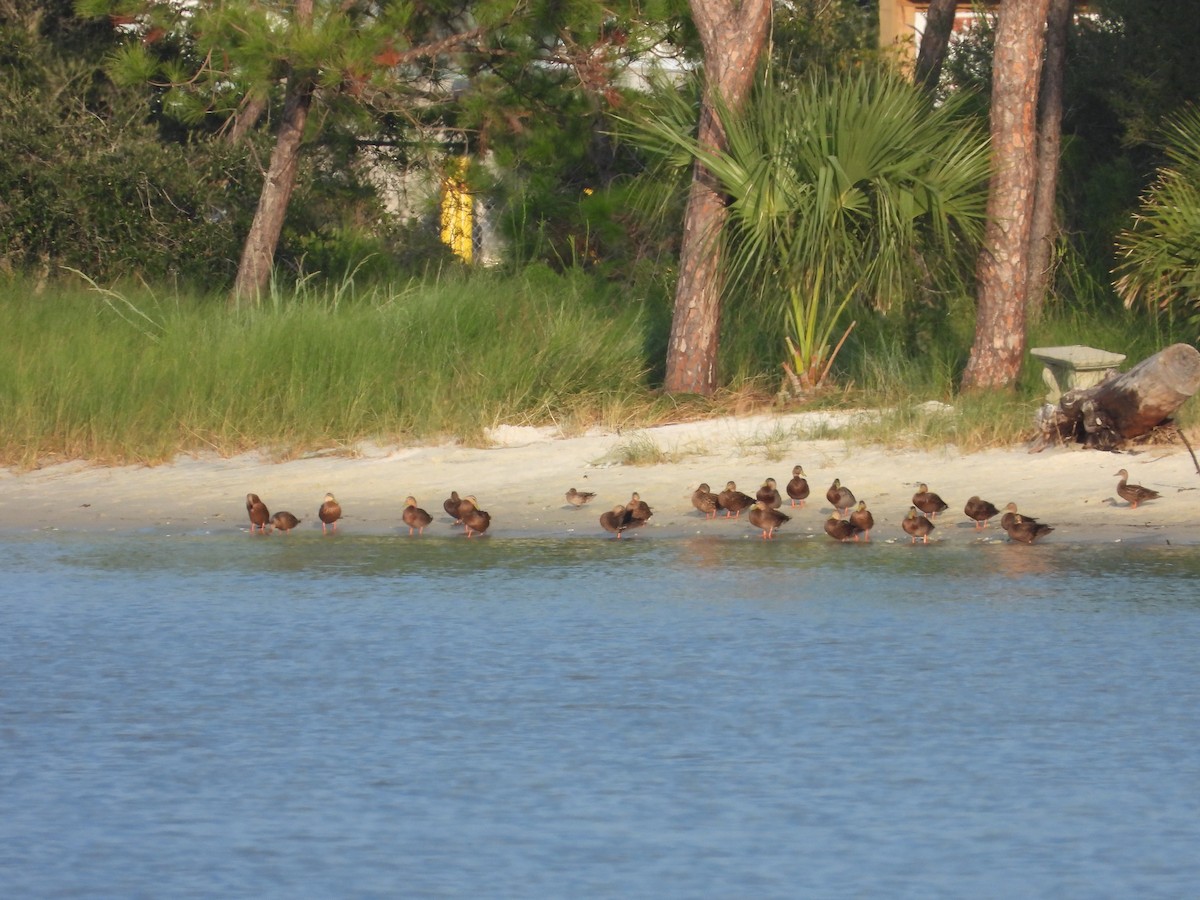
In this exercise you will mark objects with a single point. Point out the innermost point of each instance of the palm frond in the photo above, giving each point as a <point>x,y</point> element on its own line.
<point>1160,252</point>
<point>838,189</point>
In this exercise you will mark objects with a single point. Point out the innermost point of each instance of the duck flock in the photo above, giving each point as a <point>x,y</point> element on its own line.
<point>465,511</point>
<point>850,519</point>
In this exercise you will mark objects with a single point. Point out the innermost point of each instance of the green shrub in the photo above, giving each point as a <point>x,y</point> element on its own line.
<point>1160,253</point>
<point>100,193</point>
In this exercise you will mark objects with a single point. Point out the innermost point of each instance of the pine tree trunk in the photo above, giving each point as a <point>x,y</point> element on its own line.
<point>939,24</point>
<point>733,35</point>
<point>258,253</point>
<point>696,320</point>
<point>1003,267</point>
<point>1043,234</point>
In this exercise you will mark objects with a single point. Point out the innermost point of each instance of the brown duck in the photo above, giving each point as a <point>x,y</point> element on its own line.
<point>928,502</point>
<point>283,521</point>
<point>862,520</point>
<point>579,498</point>
<point>797,489</point>
<point>1134,493</point>
<point>639,511</point>
<point>840,497</point>
<point>476,520</point>
<point>451,504</point>
<point>980,511</point>
<point>769,494</point>
<point>706,501</point>
<point>414,516</point>
<point>1010,515</point>
<point>329,513</point>
<point>259,515</point>
<point>916,526</point>
<point>767,518</point>
<point>839,529</point>
<point>465,505</point>
<point>1025,530</point>
<point>734,501</point>
<point>614,521</point>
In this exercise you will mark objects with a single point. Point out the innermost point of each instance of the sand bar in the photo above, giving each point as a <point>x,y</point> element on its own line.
<point>521,480</point>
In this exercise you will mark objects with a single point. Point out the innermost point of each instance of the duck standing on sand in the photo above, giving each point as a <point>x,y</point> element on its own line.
<point>1134,493</point>
<point>476,520</point>
<point>734,501</point>
<point>839,529</point>
<point>259,515</point>
<point>767,518</point>
<point>329,513</point>
<point>283,521</point>
<point>639,511</point>
<point>451,505</point>
<point>798,489</point>
<point>578,498</point>
<point>980,511</point>
<point>862,520</point>
<point>840,497</point>
<point>916,526</point>
<point>1019,528</point>
<point>705,500</point>
<point>465,505</point>
<point>928,502</point>
<point>1010,516</point>
<point>769,494</point>
<point>614,521</point>
<point>414,516</point>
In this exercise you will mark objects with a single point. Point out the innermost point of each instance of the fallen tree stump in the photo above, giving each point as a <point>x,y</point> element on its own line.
<point>1122,407</point>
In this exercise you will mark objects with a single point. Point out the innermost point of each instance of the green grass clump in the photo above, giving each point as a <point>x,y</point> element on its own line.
<point>773,446</point>
<point>973,422</point>
<point>113,376</point>
<point>639,450</point>
<point>643,450</point>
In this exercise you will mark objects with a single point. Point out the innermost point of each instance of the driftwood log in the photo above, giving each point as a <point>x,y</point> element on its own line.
<point>1123,407</point>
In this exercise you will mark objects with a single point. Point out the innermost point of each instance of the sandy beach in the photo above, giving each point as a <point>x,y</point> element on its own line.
<point>521,480</point>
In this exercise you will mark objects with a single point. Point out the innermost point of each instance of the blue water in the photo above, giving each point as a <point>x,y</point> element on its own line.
<point>227,716</point>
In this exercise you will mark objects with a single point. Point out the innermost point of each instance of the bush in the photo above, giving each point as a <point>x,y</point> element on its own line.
<point>96,190</point>
<point>1160,253</point>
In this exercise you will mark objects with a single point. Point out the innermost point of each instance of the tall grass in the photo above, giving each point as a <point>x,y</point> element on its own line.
<point>108,375</point>
<point>120,376</point>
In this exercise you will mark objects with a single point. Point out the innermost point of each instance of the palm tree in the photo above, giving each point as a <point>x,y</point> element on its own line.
<point>855,186</point>
<point>1160,252</point>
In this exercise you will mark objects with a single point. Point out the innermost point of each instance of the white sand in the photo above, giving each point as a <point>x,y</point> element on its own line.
<point>522,479</point>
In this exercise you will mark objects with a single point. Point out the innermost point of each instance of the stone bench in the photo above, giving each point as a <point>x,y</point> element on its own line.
<point>1076,366</point>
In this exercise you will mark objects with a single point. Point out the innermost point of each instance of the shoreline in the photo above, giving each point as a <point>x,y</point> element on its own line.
<point>522,479</point>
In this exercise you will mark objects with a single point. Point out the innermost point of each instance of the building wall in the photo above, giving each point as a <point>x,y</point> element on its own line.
<point>902,22</point>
